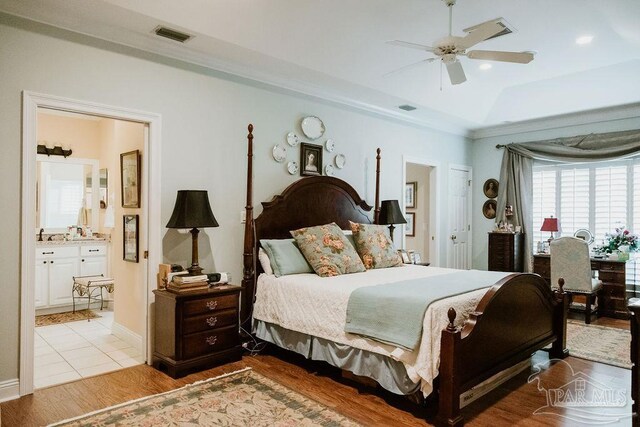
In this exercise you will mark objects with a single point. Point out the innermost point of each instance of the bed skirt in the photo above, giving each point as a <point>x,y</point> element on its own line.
<point>389,373</point>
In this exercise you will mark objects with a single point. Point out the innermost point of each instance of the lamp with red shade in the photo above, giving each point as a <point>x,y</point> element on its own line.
<point>551,225</point>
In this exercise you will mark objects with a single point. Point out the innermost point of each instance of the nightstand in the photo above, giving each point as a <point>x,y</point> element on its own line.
<point>196,330</point>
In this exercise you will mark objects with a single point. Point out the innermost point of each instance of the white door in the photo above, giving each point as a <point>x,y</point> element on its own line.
<point>42,283</point>
<point>61,272</point>
<point>459,245</point>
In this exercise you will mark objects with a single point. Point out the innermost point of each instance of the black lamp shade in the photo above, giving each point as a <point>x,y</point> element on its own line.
<point>192,210</point>
<point>390,213</point>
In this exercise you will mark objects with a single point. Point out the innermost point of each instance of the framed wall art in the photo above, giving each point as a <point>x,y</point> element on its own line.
<point>410,226</point>
<point>489,209</point>
<point>130,179</point>
<point>310,159</point>
<point>410,194</point>
<point>490,188</point>
<point>130,238</point>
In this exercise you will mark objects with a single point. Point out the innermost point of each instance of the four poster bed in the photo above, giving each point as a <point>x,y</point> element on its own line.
<point>473,335</point>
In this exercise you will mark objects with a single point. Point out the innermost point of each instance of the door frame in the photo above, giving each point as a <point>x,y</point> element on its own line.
<point>151,234</point>
<point>434,203</point>
<point>469,170</point>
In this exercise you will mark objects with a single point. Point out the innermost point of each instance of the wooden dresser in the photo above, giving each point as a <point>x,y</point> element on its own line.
<point>613,276</point>
<point>196,330</point>
<point>506,252</point>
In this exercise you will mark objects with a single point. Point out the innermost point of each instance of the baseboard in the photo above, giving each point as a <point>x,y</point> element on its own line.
<point>126,335</point>
<point>9,390</point>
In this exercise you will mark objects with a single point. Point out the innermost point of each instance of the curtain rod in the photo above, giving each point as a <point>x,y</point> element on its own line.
<point>500,146</point>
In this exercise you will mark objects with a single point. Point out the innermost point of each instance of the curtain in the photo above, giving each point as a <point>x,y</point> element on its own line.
<point>516,174</point>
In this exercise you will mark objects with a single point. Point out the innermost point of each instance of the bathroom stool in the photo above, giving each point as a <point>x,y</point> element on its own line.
<point>87,287</point>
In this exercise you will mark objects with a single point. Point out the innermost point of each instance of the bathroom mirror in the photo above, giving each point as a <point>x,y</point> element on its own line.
<point>104,188</point>
<point>64,190</point>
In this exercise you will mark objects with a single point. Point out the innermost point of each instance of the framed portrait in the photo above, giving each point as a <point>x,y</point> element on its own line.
<point>130,179</point>
<point>490,188</point>
<point>130,238</point>
<point>489,209</point>
<point>410,226</point>
<point>410,194</point>
<point>310,159</point>
<point>405,256</point>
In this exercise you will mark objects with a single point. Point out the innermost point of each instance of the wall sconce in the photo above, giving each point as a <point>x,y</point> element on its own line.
<point>55,151</point>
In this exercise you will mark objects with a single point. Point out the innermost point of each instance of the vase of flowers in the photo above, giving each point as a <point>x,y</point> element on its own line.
<point>622,242</point>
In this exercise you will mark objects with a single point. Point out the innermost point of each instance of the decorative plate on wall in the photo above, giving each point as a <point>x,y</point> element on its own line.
<point>292,139</point>
<point>340,161</point>
<point>279,153</point>
<point>292,168</point>
<point>312,127</point>
<point>329,145</point>
<point>328,170</point>
<point>490,188</point>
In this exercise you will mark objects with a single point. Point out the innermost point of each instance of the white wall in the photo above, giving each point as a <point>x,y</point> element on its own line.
<point>204,117</point>
<point>487,160</point>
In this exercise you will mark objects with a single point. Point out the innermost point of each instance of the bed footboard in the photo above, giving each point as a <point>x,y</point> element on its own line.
<point>517,316</point>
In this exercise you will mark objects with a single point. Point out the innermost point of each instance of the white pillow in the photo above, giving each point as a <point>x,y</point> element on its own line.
<point>264,261</point>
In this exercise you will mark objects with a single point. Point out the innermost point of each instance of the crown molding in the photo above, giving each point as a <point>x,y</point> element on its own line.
<point>608,114</point>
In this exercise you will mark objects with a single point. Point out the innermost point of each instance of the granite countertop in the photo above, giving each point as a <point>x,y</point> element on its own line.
<point>71,242</point>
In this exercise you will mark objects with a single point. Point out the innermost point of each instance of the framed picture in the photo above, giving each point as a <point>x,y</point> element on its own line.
<point>489,209</point>
<point>410,194</point>
<point>410,226</point>
<point>490,188</point>
<point>405,256</point>
<point>130,178</point>
<point>130,238</point>
<point>310,159</point>
<point>417,259</point>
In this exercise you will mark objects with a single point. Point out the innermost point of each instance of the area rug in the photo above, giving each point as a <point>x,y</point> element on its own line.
<point>599,343</point>
<point>69,316</point>
<point>241,398</point>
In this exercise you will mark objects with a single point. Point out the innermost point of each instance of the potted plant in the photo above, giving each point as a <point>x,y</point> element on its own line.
<point>621,242</point>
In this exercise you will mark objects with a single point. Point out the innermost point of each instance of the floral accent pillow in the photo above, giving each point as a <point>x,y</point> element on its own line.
<point>328,251</point>
<point>374,246</point>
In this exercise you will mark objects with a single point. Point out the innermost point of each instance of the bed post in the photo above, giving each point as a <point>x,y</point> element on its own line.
<point>559,346</point>
<point>634,308</point>
<point>449,396</point>
<point>248,279</point>
<point>376,212</point>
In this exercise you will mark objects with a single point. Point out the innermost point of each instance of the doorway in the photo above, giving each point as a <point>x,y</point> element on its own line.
<point>459,224</point>
<point>421,236</point>
<point>80,251</point>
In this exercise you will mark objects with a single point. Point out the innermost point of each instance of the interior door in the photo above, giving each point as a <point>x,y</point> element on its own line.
<point>459,245</point>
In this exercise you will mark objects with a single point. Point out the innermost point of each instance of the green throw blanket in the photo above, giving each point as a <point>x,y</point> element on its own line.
<point>393,313</point>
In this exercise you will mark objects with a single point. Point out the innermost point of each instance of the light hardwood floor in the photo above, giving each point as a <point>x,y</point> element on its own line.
<point>513,403</point>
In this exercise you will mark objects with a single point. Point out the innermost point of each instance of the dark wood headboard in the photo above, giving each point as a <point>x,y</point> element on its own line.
<point>307,202</point>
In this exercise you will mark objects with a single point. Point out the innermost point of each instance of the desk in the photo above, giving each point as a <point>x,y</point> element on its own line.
<point>613,276</point>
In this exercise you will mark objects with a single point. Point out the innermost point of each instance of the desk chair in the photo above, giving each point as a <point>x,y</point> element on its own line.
<point>570,261</point>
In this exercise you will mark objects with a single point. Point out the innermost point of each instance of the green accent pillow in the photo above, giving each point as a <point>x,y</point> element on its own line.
<point>328,251</point>
<point>285,257</point>
<point>374,246</point>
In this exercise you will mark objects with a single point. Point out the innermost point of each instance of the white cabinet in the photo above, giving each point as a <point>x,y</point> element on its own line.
<point>57,265</point>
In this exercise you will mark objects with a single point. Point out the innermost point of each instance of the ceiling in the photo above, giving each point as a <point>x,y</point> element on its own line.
<point>336,49</point>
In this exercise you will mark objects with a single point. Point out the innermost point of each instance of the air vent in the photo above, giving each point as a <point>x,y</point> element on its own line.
<point>407,107</point>
<point>507,28</point>
<point>172,34</point>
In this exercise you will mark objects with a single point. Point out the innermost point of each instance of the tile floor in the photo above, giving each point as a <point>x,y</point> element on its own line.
<point>74,350</point>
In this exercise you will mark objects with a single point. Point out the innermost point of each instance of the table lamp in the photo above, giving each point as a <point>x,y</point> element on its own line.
<point>390,214</point>
<point>192,210</point>
<point>551,225</point>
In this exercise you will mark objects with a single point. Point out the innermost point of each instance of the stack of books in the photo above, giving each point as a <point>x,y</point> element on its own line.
<point>188,283</point>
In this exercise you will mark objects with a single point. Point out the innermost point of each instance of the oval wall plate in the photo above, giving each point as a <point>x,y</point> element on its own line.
<point>279,153</point>
<point>292,168</point>
<point>340,161</point>
<point>292,139</point>
<point>330,145</point>
<point>328,170</point>
<point>312,127</point>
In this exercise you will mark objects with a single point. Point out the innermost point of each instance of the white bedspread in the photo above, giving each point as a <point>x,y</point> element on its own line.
<point>317,306</point>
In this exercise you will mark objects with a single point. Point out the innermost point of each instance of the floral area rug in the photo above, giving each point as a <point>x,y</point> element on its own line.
<point>599,343</point>
<point>242,398</point>
<point>69,316</point>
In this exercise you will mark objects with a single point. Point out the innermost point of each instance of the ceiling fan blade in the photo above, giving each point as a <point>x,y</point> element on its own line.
<point>480,34</point>
<point>456,73</point>
<point>493,55</point>
<point>408,67</point>
<point>410,45</point>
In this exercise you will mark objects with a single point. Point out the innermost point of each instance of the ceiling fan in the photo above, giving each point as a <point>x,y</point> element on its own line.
<point>447,49</point>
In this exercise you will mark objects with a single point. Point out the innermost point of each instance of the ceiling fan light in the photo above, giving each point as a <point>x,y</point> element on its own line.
<point>486,66</point>
<point>583,40</point>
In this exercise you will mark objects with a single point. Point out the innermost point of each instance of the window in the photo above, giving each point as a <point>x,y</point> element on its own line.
<point>598,197</point>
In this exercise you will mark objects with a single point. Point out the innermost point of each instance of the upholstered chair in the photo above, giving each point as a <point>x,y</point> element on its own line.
<point>570,261</point>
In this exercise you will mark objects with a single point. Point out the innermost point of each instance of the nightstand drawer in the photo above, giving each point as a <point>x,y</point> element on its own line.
<point>207,305</point>
<point>614,291</point>
<point>612,266</point>
<point>206,342</point>
<point>208,321</point>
